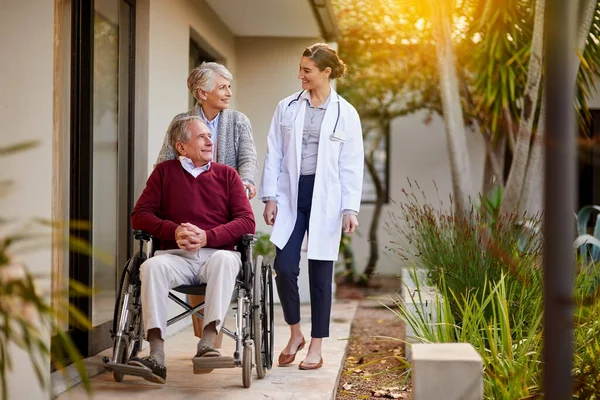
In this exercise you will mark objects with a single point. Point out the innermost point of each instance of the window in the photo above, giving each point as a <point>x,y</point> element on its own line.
<point>101,158</point>
<point>589,162</point>
<point>197,57</point>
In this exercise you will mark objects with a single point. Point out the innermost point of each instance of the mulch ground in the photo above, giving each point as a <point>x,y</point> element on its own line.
<point>374,367</point>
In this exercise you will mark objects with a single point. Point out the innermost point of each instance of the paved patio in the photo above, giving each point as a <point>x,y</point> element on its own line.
<point>280,383</point>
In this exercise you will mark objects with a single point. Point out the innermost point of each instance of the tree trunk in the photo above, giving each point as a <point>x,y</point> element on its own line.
<point>369,271</point>
<point>493,177</point>
<point>587,10</point>
<point>489,176</point>
<point>452,109</point>
<point>373,243</point>
<point>518,168</point>
<point>532,198</point>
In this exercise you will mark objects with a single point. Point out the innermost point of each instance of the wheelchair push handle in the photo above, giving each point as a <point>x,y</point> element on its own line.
<point>141,235</point>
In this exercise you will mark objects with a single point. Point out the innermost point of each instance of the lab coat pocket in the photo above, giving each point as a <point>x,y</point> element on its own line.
<point>286,134</point>
<point>285,125</point>
<point>286,129</point>
<point>338,136</point>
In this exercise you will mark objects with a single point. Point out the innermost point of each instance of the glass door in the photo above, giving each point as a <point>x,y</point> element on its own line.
<point>589,162</point>
<point>101,156</point>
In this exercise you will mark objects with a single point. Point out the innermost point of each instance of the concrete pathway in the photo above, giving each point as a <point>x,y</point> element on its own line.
<point>279,383</point>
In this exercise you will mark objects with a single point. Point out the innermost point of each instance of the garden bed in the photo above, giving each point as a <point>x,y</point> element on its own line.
<point>374,367</point>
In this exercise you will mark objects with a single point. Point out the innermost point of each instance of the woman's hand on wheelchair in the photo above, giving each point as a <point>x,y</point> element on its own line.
<point>189,237</point>
<point>250,190</point>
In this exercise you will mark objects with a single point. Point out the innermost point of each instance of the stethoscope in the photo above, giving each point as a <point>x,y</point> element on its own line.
<point>332,136</point>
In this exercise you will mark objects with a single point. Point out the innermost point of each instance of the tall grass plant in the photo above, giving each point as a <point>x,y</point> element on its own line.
<point>470,252</point>
<point>510,351</point>
<point>487,272</point>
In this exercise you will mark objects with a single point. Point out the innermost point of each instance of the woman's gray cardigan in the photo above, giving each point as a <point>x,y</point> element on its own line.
<point>235,146</point>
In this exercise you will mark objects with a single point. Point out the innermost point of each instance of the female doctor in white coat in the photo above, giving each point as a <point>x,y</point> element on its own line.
<point>311,183</point>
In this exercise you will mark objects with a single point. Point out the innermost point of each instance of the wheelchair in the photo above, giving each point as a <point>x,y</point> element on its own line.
<point>254,324</point>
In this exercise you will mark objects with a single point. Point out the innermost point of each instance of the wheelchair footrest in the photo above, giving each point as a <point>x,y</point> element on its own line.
<point>129,369</point>
<point>213,362</point>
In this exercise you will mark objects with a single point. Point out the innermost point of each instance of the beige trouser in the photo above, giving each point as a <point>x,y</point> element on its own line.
<point>194,300</point>
<point>172,268</point>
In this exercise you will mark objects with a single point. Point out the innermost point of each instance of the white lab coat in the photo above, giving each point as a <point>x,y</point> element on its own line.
<point>339,173</point>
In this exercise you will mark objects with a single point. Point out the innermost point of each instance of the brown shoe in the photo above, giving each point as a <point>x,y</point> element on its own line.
<point>287,359</point>
<point>307,366</point>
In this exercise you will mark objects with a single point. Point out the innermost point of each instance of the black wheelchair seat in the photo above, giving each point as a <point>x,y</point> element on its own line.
<point>199,290</point>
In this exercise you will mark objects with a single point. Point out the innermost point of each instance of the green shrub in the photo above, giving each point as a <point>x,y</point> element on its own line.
<point>586,335</point>
<point>487,269</point>
<point>471,252</point>
<point>586,363</point>
<point>510,348</point>
<point>264,247</point>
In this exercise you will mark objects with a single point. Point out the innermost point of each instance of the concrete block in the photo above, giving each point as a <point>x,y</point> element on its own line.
<point>446,371</point>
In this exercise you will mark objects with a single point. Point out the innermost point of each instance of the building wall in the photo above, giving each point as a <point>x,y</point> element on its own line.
<point>26,42</point>
<point>418,152</point>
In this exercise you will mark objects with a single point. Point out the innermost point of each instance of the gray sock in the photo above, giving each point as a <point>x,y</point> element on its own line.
<point>209,334</point>
<point>157,346</point>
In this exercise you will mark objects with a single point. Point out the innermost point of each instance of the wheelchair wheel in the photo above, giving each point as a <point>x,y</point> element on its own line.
<point>258,316</point>
<point>247,364</point>
<point>127,319</point>
<point>268,320</point>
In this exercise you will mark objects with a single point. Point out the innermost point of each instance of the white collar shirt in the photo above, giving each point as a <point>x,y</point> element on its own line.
<point>189,166</point>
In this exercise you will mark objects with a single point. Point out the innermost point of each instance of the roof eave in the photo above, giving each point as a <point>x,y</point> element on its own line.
<point>323,11</point>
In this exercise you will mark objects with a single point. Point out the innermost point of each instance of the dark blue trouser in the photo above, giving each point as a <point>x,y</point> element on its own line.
<point>320,273</point>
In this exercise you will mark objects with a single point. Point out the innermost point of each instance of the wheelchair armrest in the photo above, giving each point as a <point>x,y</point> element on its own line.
<point>244,246</point>
<point>248,239</point>
<point>141,235</point>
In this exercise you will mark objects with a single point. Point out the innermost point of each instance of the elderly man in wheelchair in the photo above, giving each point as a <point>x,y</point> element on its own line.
<point>199,211</point>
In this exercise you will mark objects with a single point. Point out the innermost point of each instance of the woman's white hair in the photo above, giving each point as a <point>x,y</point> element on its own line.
<point>203,77</point>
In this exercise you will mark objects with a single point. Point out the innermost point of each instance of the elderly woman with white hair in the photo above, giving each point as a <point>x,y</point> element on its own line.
<point>210,84</point>
<point>233,143</point>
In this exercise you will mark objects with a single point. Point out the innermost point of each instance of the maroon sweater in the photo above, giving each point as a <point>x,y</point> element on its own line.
<point>215,201</point>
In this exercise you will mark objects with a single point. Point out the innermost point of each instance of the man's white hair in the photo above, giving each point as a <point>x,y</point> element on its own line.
<point>179,130</point>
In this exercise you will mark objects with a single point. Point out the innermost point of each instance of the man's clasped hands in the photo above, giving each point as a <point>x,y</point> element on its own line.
<point>189,237</point>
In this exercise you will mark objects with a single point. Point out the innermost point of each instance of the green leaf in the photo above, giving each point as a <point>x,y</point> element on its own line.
<point>18,147</point>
